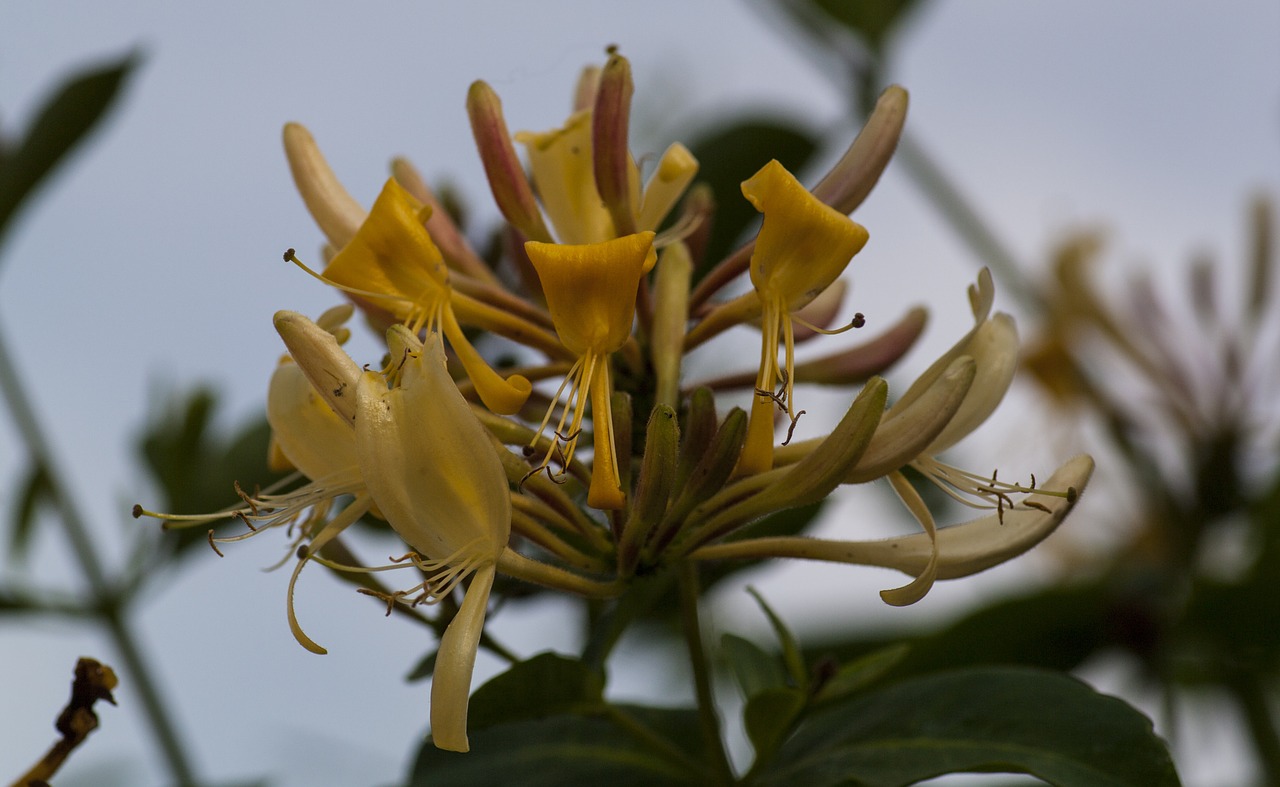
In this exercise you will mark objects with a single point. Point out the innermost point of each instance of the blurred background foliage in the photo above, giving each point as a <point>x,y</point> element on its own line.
<point>1190,595</point>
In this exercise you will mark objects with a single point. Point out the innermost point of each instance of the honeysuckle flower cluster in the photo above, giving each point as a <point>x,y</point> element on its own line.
<point>482,470</point>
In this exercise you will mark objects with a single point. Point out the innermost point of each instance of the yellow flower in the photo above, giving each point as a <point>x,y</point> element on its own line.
<point>429,466</point>
<point>803,246</point>
<point>591,293</point>
<point>393,261</point>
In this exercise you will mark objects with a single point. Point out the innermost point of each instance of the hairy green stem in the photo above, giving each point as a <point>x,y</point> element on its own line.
<point>108,609</point>
<point>721,770</point>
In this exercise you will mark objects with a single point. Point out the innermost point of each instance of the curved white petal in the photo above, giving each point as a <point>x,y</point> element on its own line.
<point>451,682</point>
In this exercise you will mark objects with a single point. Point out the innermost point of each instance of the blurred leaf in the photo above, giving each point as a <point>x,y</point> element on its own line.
<point>547,684</point>
<point>873,21</point>
<point>731,153</point>
<point>34,492</point>
<point>1012,720</point>
<point>754,669</point>
<point>564,750</point>
<point>861,673</point>
<point>791,655</point>
<point>63,121</point>
<point>1056,629</point>
<point>195,467</point>
<point>424,669</point>
<point>769,716</point>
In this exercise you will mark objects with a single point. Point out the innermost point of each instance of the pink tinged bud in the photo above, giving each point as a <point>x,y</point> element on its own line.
<point>615,176</point>
<point>853,177</point>
<point>507,181</point>
<point>335,211</point>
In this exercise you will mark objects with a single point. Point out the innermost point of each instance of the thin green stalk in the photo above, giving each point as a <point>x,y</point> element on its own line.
<point>721,770</point>
<point>108,609</point>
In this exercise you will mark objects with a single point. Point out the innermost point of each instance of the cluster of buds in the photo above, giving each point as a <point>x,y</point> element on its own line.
<point>481,470</point>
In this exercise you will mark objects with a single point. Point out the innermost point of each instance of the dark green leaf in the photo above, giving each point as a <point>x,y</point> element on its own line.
<point>1056,628</point>
<point>1011,720</point>
<point>754,669</point>
<point>874,21</point>
<point>424,669</point>
<point>565,750</point>
<point>730,154</point>
<point>62,122</point>
<point>769,716</point>
<point>861,673</point>
<point>791,655</point>
<point>34,492</point>
<point>547,684</point>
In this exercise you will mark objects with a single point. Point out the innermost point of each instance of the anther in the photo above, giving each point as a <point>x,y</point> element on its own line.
<point>791,429</point>
<point>138,510</point>
<point>858,320</point>
<point>213,545</point>
<point>290,255</point>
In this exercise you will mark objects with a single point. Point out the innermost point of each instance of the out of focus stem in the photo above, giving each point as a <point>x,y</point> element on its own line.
<point>106,605</point>
<point>721,771</point>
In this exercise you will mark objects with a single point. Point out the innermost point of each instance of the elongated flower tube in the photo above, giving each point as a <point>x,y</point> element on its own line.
<point>947,553</point>
<point>803,246</point>
<point>591,293</point>
<point>430,468</point>
<point>393,261</point>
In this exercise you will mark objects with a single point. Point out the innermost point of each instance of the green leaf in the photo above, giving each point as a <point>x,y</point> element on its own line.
<point>35,492</point>
<point>63,121</point>
<point>731,153</point>
<point>424,669</point>
<point>791,655</point>
<point>1056,628</point>
<point>547,684</point>
<point>619,748</point>
<point>754,669</point>
<point>874,21</point>
<point>1011,720</point>
<point>769,716</point>
<point>861,673</point>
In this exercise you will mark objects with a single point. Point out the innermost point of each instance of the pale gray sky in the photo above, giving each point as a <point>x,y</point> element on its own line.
<point>155,261</point>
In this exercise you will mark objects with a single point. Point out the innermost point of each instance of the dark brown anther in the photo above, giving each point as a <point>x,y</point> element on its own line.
<point>858,320</point>
<point>137,510</point>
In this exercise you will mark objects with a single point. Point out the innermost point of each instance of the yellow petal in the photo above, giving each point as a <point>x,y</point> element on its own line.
<point>392,254</point>
<point>591,288</point>
<point>564,175</point>
<point>427,461</point>
<point>803,244</point>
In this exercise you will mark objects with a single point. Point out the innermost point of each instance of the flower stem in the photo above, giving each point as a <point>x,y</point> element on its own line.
<point>108,608</point>
<point>721,770</point>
